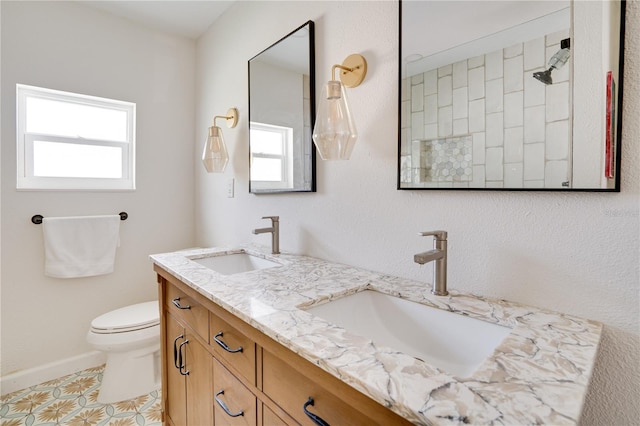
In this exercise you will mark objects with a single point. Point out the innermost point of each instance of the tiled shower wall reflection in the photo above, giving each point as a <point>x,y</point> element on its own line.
<point>517,128</point>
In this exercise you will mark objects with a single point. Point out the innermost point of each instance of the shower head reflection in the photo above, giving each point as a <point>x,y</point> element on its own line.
<point>544,76</point>
<point>557,61</point>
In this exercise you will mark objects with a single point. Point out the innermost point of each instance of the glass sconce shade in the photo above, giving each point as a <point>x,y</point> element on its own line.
<point>334,132</point>
<point>215,156</point>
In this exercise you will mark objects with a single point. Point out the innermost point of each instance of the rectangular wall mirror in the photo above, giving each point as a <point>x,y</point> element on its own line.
<point>510,95</point>
<point>281,115</point>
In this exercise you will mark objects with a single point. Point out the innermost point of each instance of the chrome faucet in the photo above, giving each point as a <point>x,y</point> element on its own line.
<point>275,233</point>
<point>439,255</point>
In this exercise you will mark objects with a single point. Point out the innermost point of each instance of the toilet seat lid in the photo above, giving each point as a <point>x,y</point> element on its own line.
<point>129,318</point>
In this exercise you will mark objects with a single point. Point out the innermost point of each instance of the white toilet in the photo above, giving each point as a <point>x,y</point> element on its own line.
<point>130,336</point>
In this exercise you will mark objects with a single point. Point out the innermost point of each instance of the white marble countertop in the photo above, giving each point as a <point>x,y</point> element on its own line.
<point>539,374</point>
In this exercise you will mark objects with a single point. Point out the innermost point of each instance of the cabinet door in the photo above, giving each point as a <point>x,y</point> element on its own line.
<point>175,388</point>
<point>199,383</point>
<point>189,377</point>
<point>234,403</point>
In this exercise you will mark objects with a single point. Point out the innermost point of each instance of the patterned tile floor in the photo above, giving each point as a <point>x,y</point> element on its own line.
<point>71,401</point>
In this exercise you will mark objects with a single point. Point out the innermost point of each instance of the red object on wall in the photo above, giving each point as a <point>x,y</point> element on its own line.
<point>609,160</point>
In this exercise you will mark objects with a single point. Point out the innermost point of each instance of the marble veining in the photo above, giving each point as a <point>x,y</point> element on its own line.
<point>539,374</point>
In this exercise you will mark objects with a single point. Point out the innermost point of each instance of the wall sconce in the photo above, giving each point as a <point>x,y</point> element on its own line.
<point>557,61</point>
<point>215,156</point>
<point>335,132</point>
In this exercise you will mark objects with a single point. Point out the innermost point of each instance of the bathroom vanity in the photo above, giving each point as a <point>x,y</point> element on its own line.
<point>240,348</point>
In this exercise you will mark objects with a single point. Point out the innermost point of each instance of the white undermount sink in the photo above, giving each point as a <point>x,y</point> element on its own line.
<point>451,342</point>
<point>235,263</point>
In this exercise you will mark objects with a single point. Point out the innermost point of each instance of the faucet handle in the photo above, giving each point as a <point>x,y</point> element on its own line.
<point>273,218</point>
<point>438,235</point>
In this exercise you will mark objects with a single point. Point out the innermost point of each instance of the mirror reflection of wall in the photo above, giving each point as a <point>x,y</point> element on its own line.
<point>281,99</point>
<point>489,104</point>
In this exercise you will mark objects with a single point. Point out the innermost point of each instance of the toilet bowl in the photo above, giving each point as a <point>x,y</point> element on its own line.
<point>130,337</point>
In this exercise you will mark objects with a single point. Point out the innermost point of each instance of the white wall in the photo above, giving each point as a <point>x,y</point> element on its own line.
<point>70,47</point>
<point>570,252</point>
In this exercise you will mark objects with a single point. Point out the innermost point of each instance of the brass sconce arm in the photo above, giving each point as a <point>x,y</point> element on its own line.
<point>231,117</point>
<point>354,69</point>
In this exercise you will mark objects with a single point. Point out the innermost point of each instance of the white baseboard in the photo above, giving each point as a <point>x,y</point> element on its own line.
<point>33,376</point>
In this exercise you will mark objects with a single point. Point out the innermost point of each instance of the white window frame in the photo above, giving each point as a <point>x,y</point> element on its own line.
<point>25,144</point>
<point>286,159</point>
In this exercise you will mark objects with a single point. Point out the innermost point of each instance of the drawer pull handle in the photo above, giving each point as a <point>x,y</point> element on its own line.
<point>224,406</point>
<point>175,351</point>
<point>224,345</point>
<point>181,359</point>
<point>316,418</point>
<point>176,302</point>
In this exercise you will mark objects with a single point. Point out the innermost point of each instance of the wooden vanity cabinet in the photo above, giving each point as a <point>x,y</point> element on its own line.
<point>264,381</point>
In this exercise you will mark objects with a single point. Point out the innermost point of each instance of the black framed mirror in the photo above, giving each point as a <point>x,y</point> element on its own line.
<point>510,95</point>
<point>282,114</point>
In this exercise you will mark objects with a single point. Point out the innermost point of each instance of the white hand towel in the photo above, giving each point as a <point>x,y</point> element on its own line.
<point>80,246</point>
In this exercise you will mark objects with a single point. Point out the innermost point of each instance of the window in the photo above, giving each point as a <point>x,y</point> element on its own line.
<point>71,141</point>
<point>271,157</point>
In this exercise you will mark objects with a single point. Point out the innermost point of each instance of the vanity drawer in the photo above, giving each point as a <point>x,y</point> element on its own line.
<point>291,389</point>
<point>233,347</point>
<point>234,404</point>
<point>269,418</point>
<point>186,308</point>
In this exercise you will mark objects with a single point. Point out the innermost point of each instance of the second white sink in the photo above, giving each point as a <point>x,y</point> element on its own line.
<point>449,341</point>
<point>235,263</point>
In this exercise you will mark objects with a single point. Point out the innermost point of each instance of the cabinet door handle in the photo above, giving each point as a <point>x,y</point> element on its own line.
<point>316,419</point>
<point>224,406</point>
<point>181,359</point>
<point>175,351</point>
<point>176,302</point>
<point>224,345</point>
